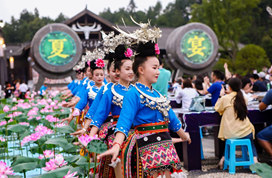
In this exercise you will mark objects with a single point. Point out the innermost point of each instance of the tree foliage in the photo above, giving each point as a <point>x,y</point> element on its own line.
<point>23,29</point>
<point>175,14</point>
<point>249,58</point>
<point>228,18</point>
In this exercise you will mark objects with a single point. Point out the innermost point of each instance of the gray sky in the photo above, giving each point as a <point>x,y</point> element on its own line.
<point>52,8</point>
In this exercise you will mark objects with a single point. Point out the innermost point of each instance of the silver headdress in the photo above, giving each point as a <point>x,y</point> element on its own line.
<point>144,34</point>
<point>110,42</point>
<point>95,54</point>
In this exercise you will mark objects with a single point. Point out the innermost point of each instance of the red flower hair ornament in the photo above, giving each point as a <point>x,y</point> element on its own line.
<point>157,49</point>
<point>128,52</point>
<point>99,63</point>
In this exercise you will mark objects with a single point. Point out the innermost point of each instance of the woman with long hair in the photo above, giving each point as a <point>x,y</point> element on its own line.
<point>234,122</point>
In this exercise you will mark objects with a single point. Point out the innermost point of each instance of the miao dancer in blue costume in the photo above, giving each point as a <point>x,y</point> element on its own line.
<point>149,151</point>
<point>111,102</point>
<point>88,95</point>
<point>113,78</point>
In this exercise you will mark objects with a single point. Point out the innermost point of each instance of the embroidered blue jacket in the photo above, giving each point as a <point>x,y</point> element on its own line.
<point>74,84</point>
<point>110,102</point>
<point>76,89</point>
<point>97,99</point>
<point>84,86</point>
<point>87,96</point>
<point>136,113</point>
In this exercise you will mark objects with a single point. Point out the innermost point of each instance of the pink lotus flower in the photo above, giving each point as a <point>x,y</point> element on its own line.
<point>15,114</point>
<point>51,118</point>
<point>14,99</point>
<point>76,112</point>
<point>23,105</point>
<point>40,131</point>
<point>40,128</point>
<point>38,118</point>
<point>53,164</point>
<point>10,120</point>
<point>99,63</point>
<point>33,112</point>
<point>128,52</point>
<point>157,49</point>
<point>24,123</point>
<point>85,139</point>
<point>6,109</point>
<point>59,160</point>
<point>56,107</point>
<point>50,165</point>
<point>3,123</point>
<point>14,108</point>
<point>2,139</point>
<point>70,175</point>
<point>5,170</point>
<point>48,153</point>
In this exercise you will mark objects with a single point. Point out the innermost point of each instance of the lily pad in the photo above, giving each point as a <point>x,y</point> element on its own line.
<point>65,129</point>
<point>97,146</point>
<point>24,167</point>
<point>61,172</point>
<point>17,128</point>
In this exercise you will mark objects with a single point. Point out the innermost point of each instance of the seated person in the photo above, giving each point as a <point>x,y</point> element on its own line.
<point>186,94</point>
<point>265,136</point>
<point>216,87</point>
<point>247,89</point>
<point>234,122</point>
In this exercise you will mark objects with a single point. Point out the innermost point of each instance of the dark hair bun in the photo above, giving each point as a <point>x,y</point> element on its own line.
<point>146,49</point>
<point>93,65</point>
<point>120,52</point>
<point>109,57</point>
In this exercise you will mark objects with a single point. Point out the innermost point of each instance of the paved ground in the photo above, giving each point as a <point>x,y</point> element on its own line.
<point>209,165</point>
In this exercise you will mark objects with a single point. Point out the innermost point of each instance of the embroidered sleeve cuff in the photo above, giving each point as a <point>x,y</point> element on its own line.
<point>121,129</point>
<point>176,127</point>
<point>95,123</point>
<point>88,116</point>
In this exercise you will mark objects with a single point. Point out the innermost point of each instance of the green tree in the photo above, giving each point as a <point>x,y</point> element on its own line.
<point>249,58</point>
<point>228,18</point>
<point>176,14</point>
<point>23,29</point>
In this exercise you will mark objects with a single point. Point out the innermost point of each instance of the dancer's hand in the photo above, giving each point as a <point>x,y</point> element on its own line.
<point>188,137</point>
<point>79,132</point>
<point>68,119</point>
<point>114,151</point>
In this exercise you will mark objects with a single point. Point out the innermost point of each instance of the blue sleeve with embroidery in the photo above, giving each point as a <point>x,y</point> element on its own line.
<point>130,107</point>
<point>81,90</point>
<point>103,109</point>
<point>70,85</point>
<point>74,90</point>
<point>83,100</point>
<point>95,104</point>
<point>175,123</point>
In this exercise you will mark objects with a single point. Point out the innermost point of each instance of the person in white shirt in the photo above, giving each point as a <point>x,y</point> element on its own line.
<point>23,89</point>
<point>177,84</point>
<point>186,94</point>
<point>247,88</point>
